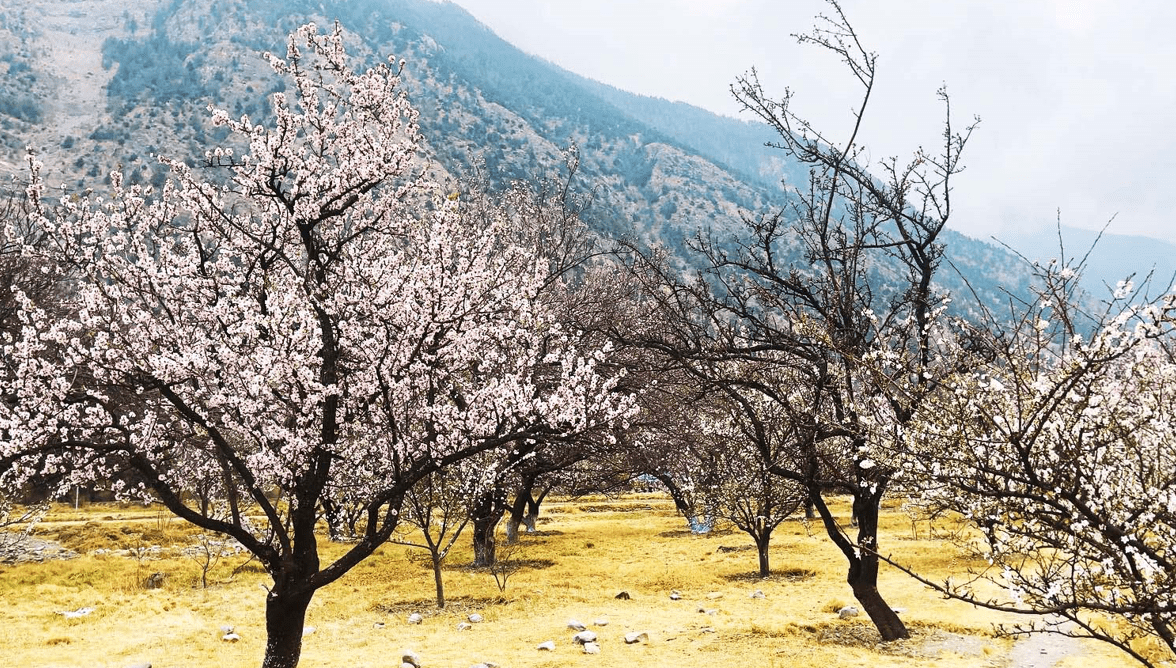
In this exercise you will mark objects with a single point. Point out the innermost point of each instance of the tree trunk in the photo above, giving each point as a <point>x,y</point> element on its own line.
<point>517,512</point>
<point>884,617</point>
<point>532,516</point>
<point>485,515</point>
<point>762,543</point>
<point>863,564</point>
<point>484,544</point>
<point>863,573</point>
<point>285,619</point>
<point>680,502</point>
<point>437,580</point>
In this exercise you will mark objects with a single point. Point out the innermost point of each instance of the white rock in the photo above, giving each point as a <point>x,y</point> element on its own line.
<point>547,646</point>
<point>464,626</point>
<point>584,637</point>
<point>576,625</point>
<point>74,614</point>
<point>226,629</point>
<point>591,648</point>
<point>475,618</point>
<point>230,637</point>
<point>847,612</point>
<point>600,622</point>
<point>411,658</point>
<point>636,637</point>
<point>758,593</point>
<point>415,618</point>
<point>715,595</point>
<point>309,630</point>
<point>675,595</point>
<point>378,625</point>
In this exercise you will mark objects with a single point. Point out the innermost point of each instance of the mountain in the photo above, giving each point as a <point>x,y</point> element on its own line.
<point>98,85</point>
<point>1108,258</point>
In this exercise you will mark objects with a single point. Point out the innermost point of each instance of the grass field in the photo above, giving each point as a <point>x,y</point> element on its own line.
<point>587,552</point>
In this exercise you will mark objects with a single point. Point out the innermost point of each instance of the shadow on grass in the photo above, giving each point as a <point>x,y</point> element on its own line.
<point>777,575</point>
<point>427,607</point>
<point>512,565</point>
<point>686,533</point>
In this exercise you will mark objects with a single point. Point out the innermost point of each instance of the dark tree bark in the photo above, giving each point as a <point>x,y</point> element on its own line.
<point>485,515</point>
<point>438,581</point>
<point>285,620</point>
<point>522,501</point>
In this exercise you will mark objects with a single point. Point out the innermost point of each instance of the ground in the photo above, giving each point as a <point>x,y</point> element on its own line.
<point>586,553</point>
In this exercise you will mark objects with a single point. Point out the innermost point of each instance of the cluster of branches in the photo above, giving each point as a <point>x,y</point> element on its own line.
<point>310,324</point>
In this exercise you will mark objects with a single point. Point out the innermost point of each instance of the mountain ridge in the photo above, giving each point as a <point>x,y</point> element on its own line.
<point>662,171</point>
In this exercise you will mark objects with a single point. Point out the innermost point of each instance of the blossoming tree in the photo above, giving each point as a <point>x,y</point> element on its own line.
<point>318,324</point>
<point>1056,447</point>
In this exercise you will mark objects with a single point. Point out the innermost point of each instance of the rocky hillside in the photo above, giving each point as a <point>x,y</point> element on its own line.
<point>94,86</point>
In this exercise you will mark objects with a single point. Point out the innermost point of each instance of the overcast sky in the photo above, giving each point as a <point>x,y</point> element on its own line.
<point>1076,97</point>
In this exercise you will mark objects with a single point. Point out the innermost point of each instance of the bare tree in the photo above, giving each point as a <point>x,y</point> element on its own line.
<point>820,322</point>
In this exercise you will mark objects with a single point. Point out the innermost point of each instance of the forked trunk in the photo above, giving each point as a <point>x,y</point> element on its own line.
<point>863,563</point>
<point>285,618</point>
<point>863,574</point>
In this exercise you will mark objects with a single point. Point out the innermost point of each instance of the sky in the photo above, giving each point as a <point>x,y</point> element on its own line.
<point>1076,97</point>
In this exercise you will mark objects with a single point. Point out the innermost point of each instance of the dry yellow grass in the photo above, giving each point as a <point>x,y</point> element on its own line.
<point>588,551</point>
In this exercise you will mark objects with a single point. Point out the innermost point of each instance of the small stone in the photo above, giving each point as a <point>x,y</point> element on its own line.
<point>591,648</point>
<point>898,611</point>
<point>584,637</point>
<point>675,595</point>
<point>140,665</point>
<point>707,611</point>
<point>309,630</point>
<point>758,593</point>
<point>485,664</point>
<point>847,612</point>
<point>464,626</point>
<point>600,622</point>
<point>415,618</point>
<point>715,595</point>
<point>475,618</point>
<point>707,629</point>
<point>230,637</point>
<point>410,658</point>
<point>547,646</point>
<point>636,637</point>
<point>408,665</point>
<point>226,629</point>
<point>623,596</point>
<point>576,625</point>
<point>378,625</point>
